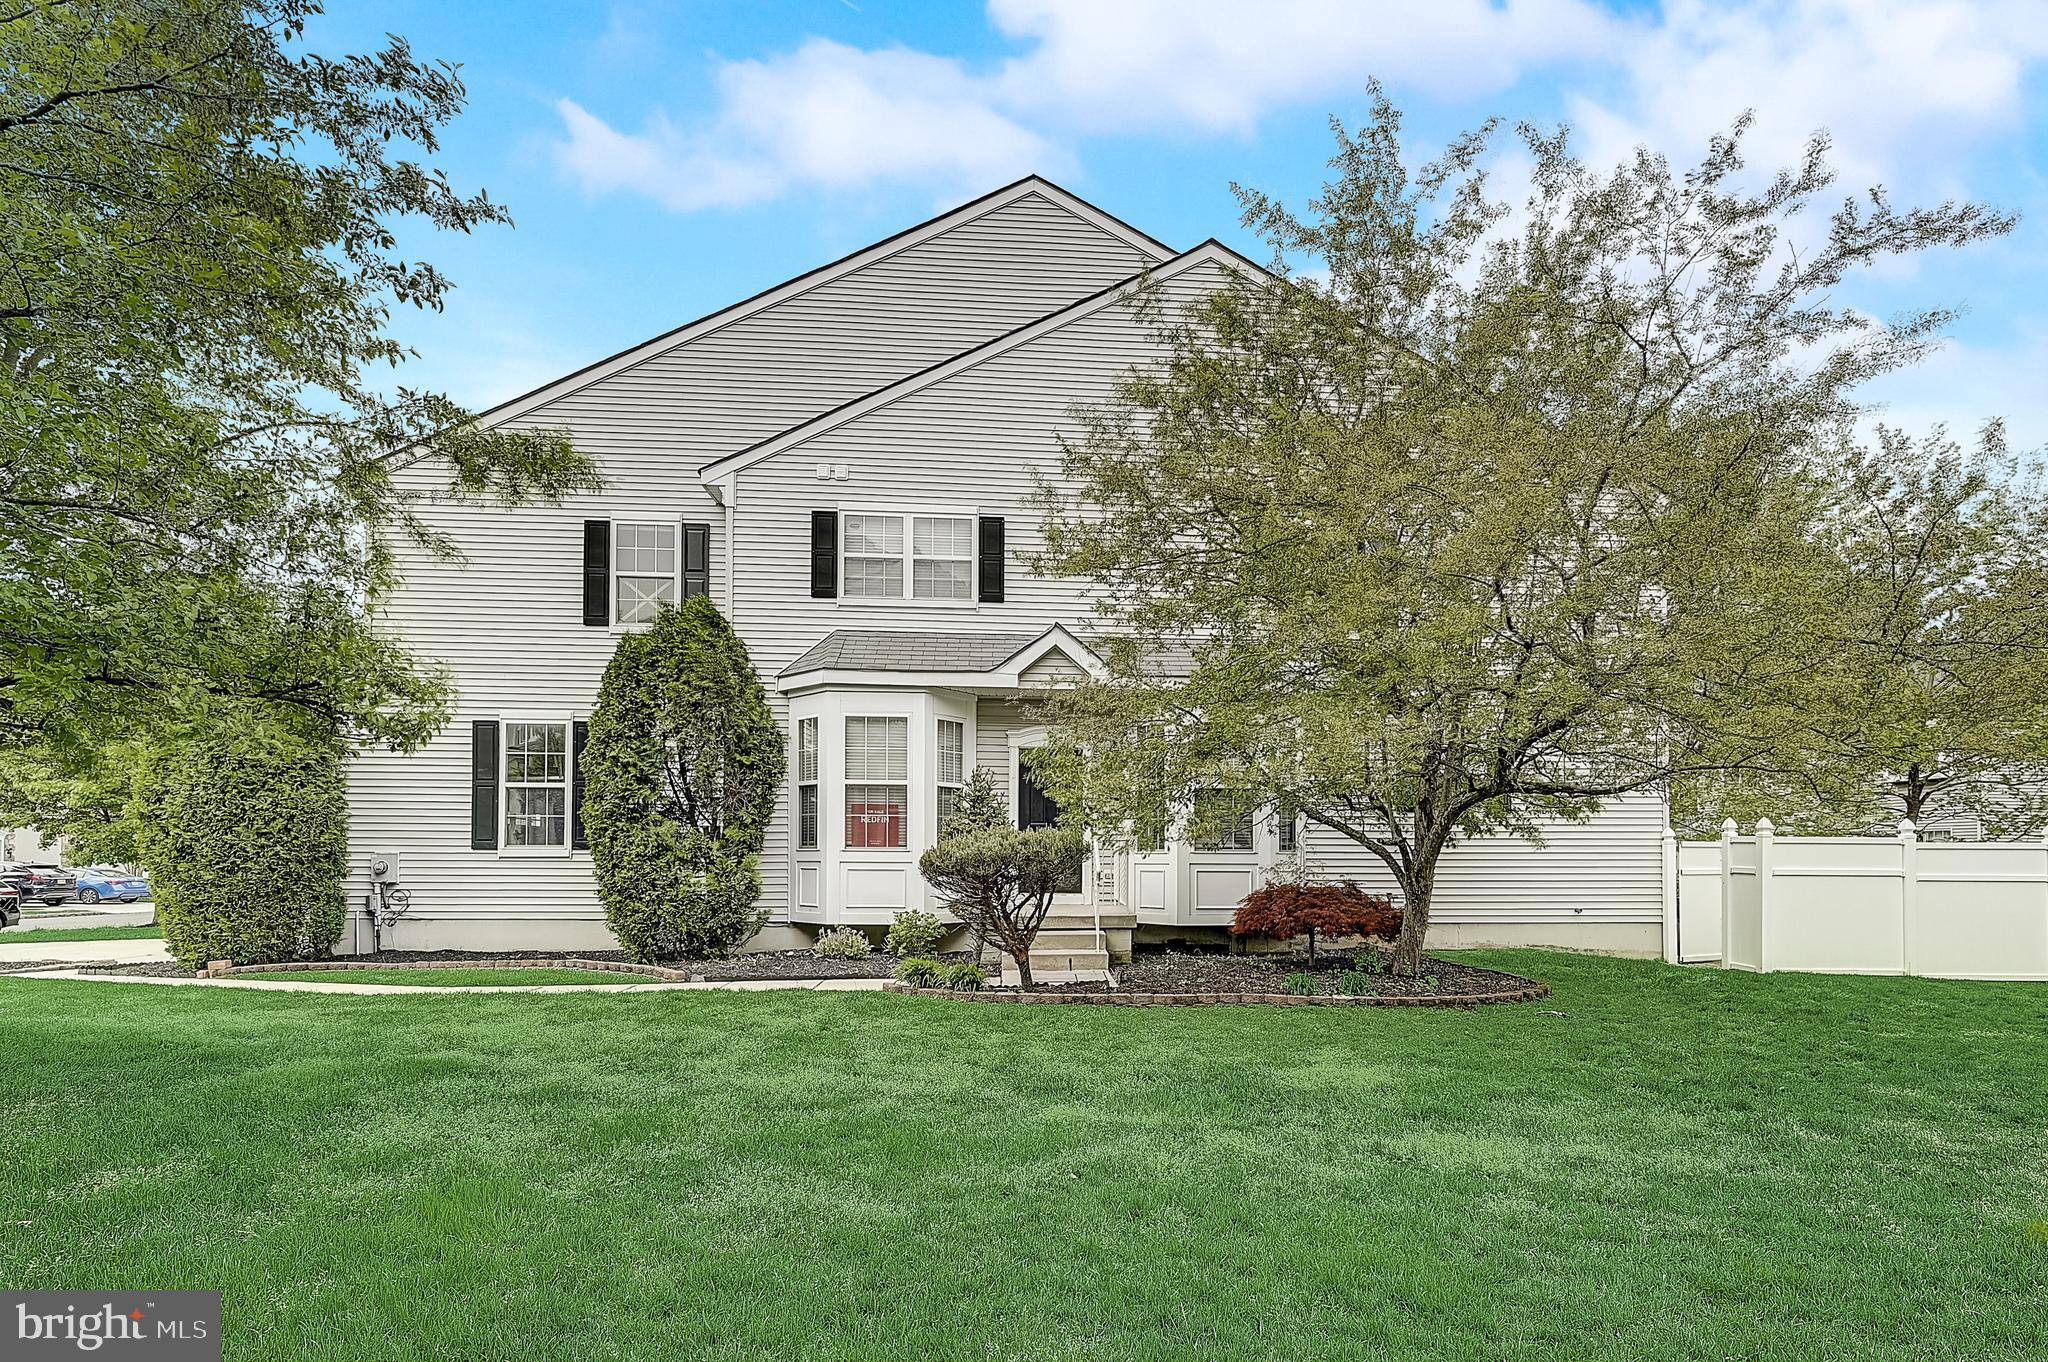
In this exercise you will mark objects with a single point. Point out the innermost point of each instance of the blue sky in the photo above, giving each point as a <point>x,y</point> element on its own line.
<point>665,159</point>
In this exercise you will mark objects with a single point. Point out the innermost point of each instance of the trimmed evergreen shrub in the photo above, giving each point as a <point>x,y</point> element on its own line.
<point>843,943</point>
<point>1001,882</point>
<point>246,851</point>
<point>680,776</point>
<point>914,932</point>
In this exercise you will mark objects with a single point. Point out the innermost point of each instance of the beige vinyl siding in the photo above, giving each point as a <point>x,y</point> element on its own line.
<point>506,621</point>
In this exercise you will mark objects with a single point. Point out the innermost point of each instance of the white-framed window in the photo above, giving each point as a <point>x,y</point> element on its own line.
<point>1221,822</point>
<point>952,766</point>
<point>906,557</point>
<point>646,569</point>
<point>1287,828</point>
<point>807,784</point>
<point>877,781</point>
<point>536,784</point>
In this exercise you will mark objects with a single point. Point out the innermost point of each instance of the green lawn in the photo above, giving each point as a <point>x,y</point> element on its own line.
<point>1684,1165</point>
<point>456,978</point>
<point>80,934</point>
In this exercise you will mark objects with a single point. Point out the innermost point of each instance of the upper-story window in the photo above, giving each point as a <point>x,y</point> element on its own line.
<point>645,569</point>
<point>907,557</point>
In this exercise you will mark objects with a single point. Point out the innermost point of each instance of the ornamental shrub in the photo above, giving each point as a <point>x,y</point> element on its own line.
<point>1287,910</point>
<point>920,973</point>
<point>246,849</point>
<point>1000,882</point>
<point>964,977</point>
<point>843,943</point>
<point>1355,982</point>
<point>914,932</point>
<point>680,776</point>
<point>1300,984</point>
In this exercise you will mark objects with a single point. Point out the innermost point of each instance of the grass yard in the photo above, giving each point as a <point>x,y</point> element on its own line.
<point>35,934</point>
<point>1686,1164</point>
<point>455,978</point>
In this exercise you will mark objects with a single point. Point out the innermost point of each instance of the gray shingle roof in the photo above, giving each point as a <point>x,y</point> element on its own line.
<point>886,650</point>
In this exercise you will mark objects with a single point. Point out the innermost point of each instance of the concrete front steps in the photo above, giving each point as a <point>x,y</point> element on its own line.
<point>1068,949</point>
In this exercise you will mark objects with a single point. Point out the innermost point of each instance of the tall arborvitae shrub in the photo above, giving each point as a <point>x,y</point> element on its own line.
<point>246,850</point>
<point>680,775</point>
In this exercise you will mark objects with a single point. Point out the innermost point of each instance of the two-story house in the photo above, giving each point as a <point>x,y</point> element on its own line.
<point>843,463</point>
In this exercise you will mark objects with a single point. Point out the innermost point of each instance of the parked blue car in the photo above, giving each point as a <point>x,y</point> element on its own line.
<point>101,882</point>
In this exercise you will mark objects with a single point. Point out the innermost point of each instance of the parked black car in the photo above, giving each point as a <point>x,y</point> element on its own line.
<point>52,884</point>
<point>10,905</point>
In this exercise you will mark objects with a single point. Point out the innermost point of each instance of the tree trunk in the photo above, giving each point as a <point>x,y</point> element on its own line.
<point>1916,794</point>
<point>1023,969</point>
<point>1417,888</point>
<point>1311,948</point>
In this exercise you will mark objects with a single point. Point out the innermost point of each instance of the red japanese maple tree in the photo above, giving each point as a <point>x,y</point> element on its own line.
<point>1285,911</point>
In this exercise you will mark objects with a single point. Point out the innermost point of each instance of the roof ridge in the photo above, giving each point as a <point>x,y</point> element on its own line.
<point>986,203</point>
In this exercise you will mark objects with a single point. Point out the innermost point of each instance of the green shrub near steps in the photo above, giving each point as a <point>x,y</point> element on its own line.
<point>920,973</point>
<point>246,851</point>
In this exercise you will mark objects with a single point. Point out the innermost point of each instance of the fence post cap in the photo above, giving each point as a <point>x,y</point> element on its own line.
<point>1906,828</point>
<point>1728,828</point>
<point>1670,834</point>
<point>1765,827</point>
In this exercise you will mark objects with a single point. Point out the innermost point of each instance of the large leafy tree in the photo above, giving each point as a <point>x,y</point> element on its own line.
<point>202,461</point>
<point>1944,562</point>
<point>1484,520</point>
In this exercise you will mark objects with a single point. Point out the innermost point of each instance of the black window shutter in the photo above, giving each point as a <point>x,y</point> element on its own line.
<point>696,560</point>
<point>483,785</point>
<point>991,558</point>
<point>597,572</point>
<point>579,737</point>
<point>825,554</point>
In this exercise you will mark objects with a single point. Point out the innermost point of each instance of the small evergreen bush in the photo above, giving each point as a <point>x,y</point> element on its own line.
<point>844,943</point>
<point>920,973</point>
<point>246,850</point>
<point>914,932</point>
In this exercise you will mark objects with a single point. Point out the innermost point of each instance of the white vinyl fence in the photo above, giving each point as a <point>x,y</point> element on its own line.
<point>1859,905</point>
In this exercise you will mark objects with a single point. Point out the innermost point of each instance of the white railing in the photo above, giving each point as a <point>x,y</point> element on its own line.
<point>1858,905</point>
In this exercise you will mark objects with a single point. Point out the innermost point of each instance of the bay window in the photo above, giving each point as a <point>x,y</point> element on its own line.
<point>877,781</point>
<point>952,764</point>
<point>807,784</point>
<point>907,557</point>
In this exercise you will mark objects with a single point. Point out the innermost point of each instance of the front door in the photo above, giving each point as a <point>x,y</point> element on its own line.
<point>1037,809</point>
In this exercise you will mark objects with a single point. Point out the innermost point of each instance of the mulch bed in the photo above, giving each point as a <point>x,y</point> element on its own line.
<point>1181,977</point>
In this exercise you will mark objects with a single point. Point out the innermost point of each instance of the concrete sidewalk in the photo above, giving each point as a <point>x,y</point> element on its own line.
<point>89,952</point>
<point>309,986</point>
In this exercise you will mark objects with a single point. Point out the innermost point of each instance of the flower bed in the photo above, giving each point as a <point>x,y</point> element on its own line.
<point>1339,979</point>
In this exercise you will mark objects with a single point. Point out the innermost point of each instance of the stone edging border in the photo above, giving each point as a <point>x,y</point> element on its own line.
<point>673,976</point>
<point>1518,995</point>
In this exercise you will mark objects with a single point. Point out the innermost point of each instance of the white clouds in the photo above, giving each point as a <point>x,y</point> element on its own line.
<point>1905,87</point>
<point>832,116</point>
<point>825,115</point>
<point>1218,65</point>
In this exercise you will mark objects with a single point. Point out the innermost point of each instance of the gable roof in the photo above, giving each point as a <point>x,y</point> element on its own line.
<point>937,657</point>
<point>846,264</point>
<point>1211,251</point>
<point>889,650</point>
